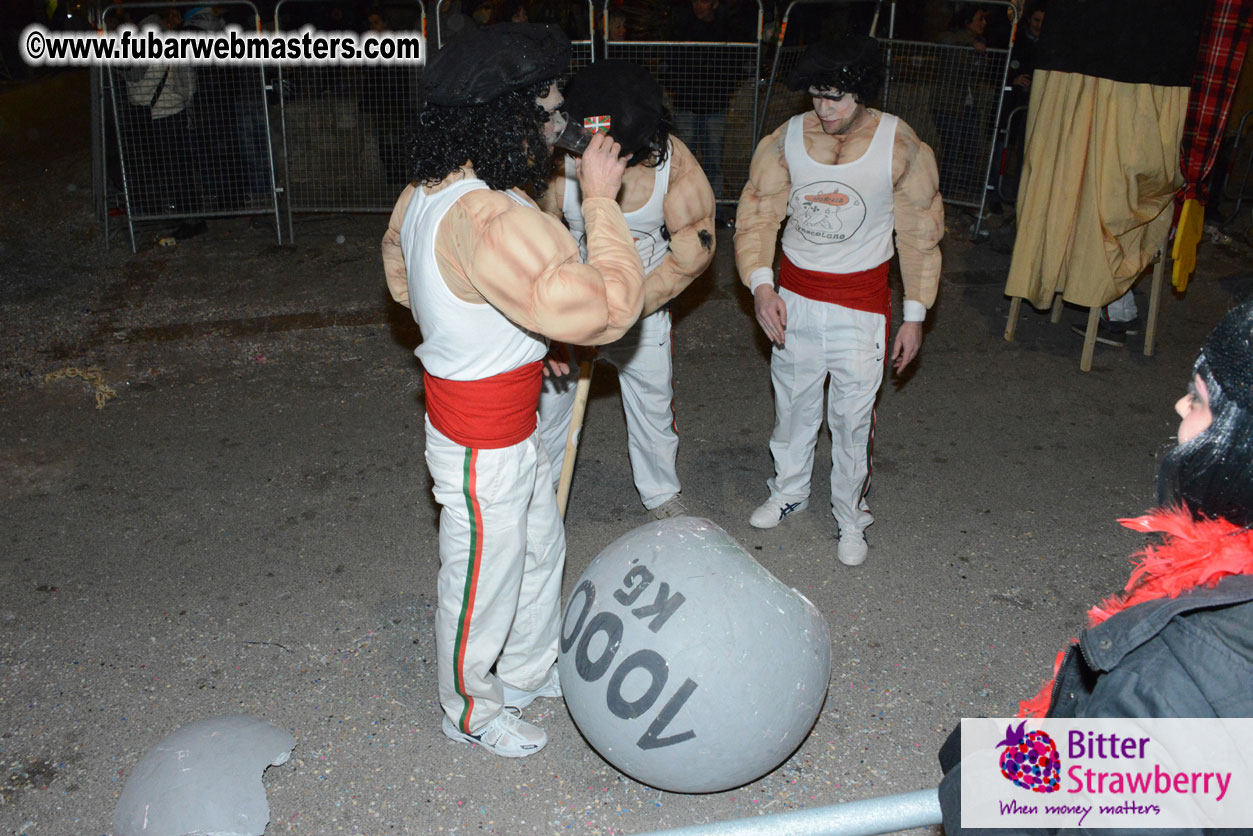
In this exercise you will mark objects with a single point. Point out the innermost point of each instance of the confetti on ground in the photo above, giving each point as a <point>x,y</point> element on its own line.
<point>93,376</point>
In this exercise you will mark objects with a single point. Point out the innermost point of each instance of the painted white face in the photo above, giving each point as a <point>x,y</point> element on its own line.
<point>838,111</point>
<point>552,102</point>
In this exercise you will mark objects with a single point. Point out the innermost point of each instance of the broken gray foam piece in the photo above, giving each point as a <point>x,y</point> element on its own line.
<point>203,779</point>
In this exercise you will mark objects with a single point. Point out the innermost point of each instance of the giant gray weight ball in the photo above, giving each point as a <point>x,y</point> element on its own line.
<point>686,664</point>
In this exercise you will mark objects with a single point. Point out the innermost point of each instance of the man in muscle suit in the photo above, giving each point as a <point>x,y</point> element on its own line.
<point>489,278</point>
<point>669,208</point>
<point>847,178</point>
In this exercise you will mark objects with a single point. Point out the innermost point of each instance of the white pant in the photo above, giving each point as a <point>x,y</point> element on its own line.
<point>643,359</point>
<point>502,549</point>
<point>848,346</point>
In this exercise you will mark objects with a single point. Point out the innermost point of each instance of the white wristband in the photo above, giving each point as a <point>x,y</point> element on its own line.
<point>915,311</point>
<point>760,276</point>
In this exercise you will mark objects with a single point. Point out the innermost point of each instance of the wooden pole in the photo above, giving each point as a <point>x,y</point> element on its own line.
<point>581,392</point>
<point>1011,321</point>
<point>1155,300</point>
<point>1089,338</point>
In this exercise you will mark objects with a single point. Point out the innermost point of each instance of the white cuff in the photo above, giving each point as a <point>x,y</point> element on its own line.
<point>915,311</point>
<point>760,276</point>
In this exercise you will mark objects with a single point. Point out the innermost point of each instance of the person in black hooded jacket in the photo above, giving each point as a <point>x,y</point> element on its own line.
<point>1178,640</point>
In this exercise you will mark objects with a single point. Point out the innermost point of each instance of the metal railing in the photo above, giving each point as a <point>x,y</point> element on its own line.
<point>269,141</point>
<point>872,816</point>
<point>344,128</point>
<point>449,22</point>
<point>713,91</point>
<point>192,142</point>
<point>780,103</point>
<point>951,95</point>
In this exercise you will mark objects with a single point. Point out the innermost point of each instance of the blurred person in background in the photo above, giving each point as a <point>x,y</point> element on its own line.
<point>957,122</point>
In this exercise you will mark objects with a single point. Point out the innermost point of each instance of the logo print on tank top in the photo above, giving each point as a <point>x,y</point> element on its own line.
<point>827,211</point>
<point>645,242</point>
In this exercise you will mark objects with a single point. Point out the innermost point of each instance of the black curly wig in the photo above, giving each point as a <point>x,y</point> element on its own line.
<point>852,64</point>
<point>628,94</point>
<point>503,140</point>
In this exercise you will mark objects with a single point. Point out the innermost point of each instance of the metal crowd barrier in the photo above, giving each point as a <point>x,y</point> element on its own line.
<point>713,91</point>
<point>872,816</point>
<point>344,127</point>
<point>581,55</point>
<point>780,103</point>
<point>449,22</point>
<point>584,51</point>
<point>192,142</point>
<point>106,189</point>
<point>951,96</point>
<point>340,133</point>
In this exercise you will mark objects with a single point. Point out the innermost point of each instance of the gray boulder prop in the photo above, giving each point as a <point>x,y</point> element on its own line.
<point>203,779</point>
<point>686,664</point>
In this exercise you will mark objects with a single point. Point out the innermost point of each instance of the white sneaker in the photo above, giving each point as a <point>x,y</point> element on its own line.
<point>519,699</point>
<point>507,735</point>
<point>771,512</point>
<point>672,507</point>
<point>852,548</point>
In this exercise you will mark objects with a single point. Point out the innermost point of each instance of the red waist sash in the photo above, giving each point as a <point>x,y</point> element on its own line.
<point>865,290</point>
<point>487,414</point>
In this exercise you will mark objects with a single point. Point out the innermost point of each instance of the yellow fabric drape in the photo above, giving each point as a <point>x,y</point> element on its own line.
<point>1100,173</point>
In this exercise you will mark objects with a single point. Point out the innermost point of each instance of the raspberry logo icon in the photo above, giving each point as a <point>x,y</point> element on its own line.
<point>1030,759</point>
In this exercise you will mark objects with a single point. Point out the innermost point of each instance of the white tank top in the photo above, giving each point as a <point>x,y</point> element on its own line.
<point>647,224</point>
<point>460,340</point>
<point>840,217</point>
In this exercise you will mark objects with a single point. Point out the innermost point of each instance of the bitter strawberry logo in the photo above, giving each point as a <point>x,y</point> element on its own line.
<point>1030,759</point>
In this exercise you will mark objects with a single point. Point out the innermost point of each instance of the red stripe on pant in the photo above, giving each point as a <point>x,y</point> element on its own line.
<point>470,479</point>
<point>865,485</point>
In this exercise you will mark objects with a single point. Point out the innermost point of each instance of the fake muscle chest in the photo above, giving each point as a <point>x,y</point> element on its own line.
<point>827,149</point>
<point>637,187</point>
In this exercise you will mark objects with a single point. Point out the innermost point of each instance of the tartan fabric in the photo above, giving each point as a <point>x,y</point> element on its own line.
<point>1224,41</point>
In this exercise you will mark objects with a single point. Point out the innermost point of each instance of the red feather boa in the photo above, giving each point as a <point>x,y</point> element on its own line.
<point>1191,554</point>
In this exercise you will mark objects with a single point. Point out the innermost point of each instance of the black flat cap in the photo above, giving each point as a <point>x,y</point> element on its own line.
<point>852,64</point>
<point>488,63</point>
<point>623,91</point>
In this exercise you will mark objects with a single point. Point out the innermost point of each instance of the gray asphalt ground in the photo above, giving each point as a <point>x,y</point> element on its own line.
<point>246,525</point>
